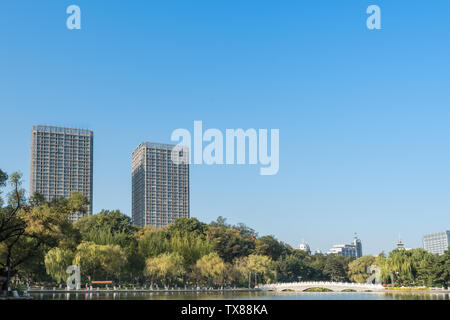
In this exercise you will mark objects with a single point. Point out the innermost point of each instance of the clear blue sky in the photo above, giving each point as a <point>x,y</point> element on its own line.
<point>363,115</point>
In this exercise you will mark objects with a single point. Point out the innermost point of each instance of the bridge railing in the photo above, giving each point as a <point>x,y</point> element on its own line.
<point>322,283</point>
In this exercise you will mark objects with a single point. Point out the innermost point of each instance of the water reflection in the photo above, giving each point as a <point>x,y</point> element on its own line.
<point>242,295</point>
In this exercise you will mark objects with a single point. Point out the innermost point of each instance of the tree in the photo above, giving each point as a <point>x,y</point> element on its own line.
<point>245,231</point>
<point>191,246</point>
<point>107,228</point>
<point>229,243</point>
<point>113,260</point>
<point>88,258</point>
<point>336,267</point>
<point>150,242</point>
<point>400,264</point>
<point>419,258</point>
<point>438,270</point>
<point>185,226</point>
<point>292,268</point>
<point>357,269</point>
<point>57,261</point>
<point>257,265</point>
<point>25,230</point>
<point>166,267</point>
<point>212,268</point>
<point>220,222</point>
<point>99,261</point>
<point>269,246</point>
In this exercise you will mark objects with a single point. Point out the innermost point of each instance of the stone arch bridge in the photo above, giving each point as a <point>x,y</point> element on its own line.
<point>332,286</point>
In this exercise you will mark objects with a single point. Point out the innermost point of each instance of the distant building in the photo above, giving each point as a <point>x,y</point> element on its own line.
<point>61,162</point>
<point>358,245</point>
<point>305,247</point>
<point>436,243</point>
<point>348,250</point>
<point>160,187</point>
<point>318,251</point>
<point>401,245</point>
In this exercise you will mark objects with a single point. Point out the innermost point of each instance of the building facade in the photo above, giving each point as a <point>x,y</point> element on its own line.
<point>348,250</point>
<point>61,162</point>
<point>160,186</point>
<point>436,243</point>
<point>358,245</point>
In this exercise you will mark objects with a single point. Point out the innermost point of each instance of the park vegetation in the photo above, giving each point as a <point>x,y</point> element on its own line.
<point>38,243</point>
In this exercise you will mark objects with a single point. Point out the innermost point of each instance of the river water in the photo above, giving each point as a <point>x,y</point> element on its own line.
<point>242,296</point>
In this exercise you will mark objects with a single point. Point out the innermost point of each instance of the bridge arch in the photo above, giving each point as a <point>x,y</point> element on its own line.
<point>323,286</point>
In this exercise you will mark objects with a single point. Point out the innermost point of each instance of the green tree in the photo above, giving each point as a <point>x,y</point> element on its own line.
<point>113,260</point>
<point>25,231</point>
<point>269,246</point>
<point>357,269</point>
<point>438,270</point>
<point>335,268</point>
<point>293,267</point>
<point>183,226</point>
<point>220,222</point>
<point>229,243</point>
<point>419,258</point>
<point>107,228</point>
<point>400,264</point>
<point>191,246</point>
<point>88,257</point>
<point>57,261</point>
<point>98,261</point>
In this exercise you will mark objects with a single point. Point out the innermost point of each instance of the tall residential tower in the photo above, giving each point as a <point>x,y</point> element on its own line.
<point>160,187</point>
<point>61,162</point>
<point>437,243</point>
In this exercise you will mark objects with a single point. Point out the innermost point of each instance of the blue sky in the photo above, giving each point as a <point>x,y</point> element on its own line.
<point>363,115</point>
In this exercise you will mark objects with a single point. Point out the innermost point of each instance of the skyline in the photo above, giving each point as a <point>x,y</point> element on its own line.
<point>324,251</point>
<point>363,115</point>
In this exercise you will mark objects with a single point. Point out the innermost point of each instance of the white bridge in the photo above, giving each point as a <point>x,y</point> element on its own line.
<point>332,286</point>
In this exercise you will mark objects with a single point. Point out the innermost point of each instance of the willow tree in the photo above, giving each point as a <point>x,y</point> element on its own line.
<point>212,268</point>
<point>357,269</point>
<point>113,260</point>
<point>57,260</point>
<point>165,268</point>
<point>256,265</point>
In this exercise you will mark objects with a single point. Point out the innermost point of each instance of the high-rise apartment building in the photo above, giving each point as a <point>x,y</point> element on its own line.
<point>437,243</point>
<point>61,162</point>
<point>160,186</point>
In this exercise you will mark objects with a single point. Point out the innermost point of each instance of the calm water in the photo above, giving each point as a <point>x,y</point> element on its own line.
<point>243,295</point>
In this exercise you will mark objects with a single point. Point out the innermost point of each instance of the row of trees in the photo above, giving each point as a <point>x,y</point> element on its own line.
<point>38,243</point>
<point>405,267</point>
